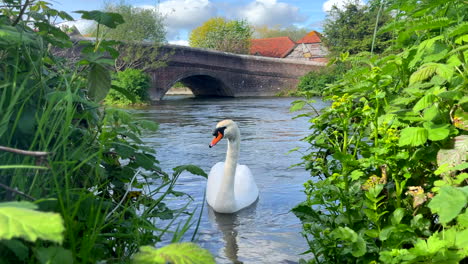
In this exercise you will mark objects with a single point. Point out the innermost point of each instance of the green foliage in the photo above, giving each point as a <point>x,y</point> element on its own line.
<point>351,29</point>
<point>223,35</point>
<point>180,253</point>
<point>133,84</point>
<point>84,166</point>
<point>292,32</point>
<point>315,82</point>
<point>388,156</point>
<point>141,24</point>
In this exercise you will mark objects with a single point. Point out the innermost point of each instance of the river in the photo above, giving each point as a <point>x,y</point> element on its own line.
<point>266,232</point>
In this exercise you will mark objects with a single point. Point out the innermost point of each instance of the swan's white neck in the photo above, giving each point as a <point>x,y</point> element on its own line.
<point>226,193</point>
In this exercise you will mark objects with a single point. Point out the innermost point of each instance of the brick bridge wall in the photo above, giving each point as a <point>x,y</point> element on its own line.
<point>214,73</point>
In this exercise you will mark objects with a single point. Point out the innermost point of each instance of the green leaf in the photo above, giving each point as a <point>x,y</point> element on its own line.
<point>18,221</point>
<point>424,102</point>
<point>356,242</point>
<point>462,219</point>
<point>429,69</point>
<point>109,19</point>
<point>297,105</point>
<point>99,82</point>
<point>190,168</point>
<point>413,136</point>
<point>54,255</point>
<point>177,253</point>
<point>397,215</point>
<point>461,240</point>
<point>448,203</point>
<point>437,132</point>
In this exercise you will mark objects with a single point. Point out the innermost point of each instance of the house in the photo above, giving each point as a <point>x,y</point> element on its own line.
<point>310,48</point>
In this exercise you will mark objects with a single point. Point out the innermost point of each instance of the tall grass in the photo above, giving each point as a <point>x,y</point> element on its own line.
<point>95,167</point>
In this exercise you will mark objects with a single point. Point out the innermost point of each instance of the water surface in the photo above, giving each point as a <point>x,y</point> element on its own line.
<point>266,232</point>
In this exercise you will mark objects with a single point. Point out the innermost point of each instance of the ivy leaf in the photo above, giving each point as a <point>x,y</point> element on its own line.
<point>413,136</point>
<point>180,253</point>
<point>17,220</point>
<point>190,168</point>
<point>448,203</point>
<point>109,19</point>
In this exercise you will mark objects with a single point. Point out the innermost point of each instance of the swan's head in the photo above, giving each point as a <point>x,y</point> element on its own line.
<point>225,129</point>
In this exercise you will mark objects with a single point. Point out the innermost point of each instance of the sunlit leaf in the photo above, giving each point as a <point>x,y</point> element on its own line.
<point>21,222</point>
<point>413,136</point>
<point>424,102</point>
<point>297,105</point>
<point>448,203</point>
<point>177,253</point>
<point>357,243</point>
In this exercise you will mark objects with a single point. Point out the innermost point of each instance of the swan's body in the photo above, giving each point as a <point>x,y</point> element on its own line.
<point>230,186</point>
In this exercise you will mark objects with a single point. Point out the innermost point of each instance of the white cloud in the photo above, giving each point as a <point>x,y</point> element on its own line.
<point>185,15</point>
<point>327,6</point>
<point>271,13</point>
<point>179,42</point>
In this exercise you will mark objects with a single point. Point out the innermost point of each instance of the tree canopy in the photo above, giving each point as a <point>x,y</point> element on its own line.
<point>224,35</point>
<point>351,28</point>
<point>293,32</point>
<point>141,24</point>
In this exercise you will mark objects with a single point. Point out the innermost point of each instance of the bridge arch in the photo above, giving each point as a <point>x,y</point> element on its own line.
<point>202,84</point>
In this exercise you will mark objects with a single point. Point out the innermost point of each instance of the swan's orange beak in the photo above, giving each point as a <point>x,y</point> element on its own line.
<point>216,139</point>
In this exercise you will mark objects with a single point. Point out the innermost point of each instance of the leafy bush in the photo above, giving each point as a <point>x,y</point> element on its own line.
<point>389,156</point>
<point>83,167</point>
<point>132,83</point>
<point>315,82</point>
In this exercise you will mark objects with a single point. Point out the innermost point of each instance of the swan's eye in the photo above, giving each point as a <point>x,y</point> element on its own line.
<point>220,130</point>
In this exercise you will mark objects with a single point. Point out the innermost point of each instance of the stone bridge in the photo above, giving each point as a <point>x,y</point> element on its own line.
<point>214,73</point>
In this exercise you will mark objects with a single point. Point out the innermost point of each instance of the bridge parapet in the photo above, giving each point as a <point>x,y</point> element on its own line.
<point>215,73</point>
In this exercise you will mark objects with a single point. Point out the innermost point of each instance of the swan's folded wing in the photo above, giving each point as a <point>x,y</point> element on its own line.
<point>246,190</point>
<point>214,182</point>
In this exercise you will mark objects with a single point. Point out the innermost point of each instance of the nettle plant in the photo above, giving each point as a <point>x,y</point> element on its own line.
<point>388,157</point>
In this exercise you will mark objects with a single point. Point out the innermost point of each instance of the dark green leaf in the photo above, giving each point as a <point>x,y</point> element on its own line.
<point>54,255</point>
<point>109,19</point>
<point>99,82</point>
<point>190,168</point>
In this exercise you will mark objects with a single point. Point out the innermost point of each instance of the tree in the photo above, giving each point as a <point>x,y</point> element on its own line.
<point>141,25</point>
<point>351,29</point>
<point>293,32</point>
<point>224,35</point>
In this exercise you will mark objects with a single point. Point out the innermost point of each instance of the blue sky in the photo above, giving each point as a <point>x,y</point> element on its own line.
<point>182,16</point>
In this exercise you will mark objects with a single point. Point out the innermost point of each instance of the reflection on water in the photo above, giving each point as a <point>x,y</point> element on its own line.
<point>266,232</point>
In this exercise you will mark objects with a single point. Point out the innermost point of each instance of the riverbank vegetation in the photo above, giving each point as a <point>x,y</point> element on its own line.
<point>388,157</point>
<point>75,177</point>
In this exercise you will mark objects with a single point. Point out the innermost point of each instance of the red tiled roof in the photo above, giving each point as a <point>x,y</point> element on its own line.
<point>278,47</point>
<point>311,37</point>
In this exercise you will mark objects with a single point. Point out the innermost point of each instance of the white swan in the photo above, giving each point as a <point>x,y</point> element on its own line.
<point>230,186</point>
